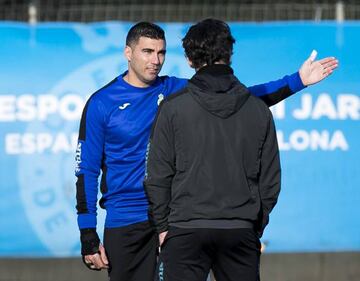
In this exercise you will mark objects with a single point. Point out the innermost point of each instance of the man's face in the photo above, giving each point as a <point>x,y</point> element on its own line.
<point>145,58</point>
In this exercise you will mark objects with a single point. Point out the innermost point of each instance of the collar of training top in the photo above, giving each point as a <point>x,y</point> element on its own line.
<point>216,69</point>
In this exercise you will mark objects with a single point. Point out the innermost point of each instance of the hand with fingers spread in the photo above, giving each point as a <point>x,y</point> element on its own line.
<point>312,72</point>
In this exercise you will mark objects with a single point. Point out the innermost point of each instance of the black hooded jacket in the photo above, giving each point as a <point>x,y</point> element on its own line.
<point>213,156</point>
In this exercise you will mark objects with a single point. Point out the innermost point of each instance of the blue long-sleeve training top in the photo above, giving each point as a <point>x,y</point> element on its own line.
<point>113,136</point>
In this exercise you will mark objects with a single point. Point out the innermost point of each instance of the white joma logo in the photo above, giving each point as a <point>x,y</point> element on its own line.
<point>125,105</point>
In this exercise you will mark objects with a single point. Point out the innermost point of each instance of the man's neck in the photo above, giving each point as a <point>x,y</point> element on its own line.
<point>134,81</point>
<point>217,62</point>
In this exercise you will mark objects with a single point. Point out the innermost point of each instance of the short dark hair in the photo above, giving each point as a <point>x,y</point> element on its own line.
<point>144,29</point>
<point>207,42</point>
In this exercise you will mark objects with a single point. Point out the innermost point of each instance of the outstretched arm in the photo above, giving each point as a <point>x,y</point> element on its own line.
<point>311,72</point>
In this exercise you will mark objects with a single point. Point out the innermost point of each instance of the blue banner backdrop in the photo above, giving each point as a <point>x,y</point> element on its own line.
<point>47,71</point>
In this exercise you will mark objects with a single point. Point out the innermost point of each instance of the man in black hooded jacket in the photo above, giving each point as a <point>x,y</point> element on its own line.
<point>213,170</point>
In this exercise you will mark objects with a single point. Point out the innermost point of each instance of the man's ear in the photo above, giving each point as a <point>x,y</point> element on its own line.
<point>128,53</point>
<point>190,62</point>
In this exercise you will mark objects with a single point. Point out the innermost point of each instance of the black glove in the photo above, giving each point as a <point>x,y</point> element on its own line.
<point>89,244</point>
<point>89,241</point>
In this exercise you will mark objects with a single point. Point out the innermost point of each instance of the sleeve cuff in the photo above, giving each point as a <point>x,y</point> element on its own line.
<point>89,241</point>
<point>295,83</point>
<point>162,228</point>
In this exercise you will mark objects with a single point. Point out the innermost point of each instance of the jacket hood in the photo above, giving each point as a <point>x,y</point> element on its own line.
<point>217,90</point>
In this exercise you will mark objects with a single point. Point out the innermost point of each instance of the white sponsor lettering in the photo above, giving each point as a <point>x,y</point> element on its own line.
<point>29,108</point>
<point>78,158</point>
<point>47,105</point>
<point>70,107</point>
<point>7,108</point>
<point>29,143</point>
<point>301,140</point>
<point>26,108</point>
<point>347,106</point>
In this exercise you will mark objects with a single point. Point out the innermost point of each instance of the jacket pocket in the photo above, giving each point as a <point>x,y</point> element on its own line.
<point>254,189</point>
<point>175,232</point>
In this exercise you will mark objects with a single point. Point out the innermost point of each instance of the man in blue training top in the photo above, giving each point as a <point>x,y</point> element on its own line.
<point>113,137</point>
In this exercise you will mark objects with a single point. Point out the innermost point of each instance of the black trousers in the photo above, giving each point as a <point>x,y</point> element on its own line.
<point>132,252</point>
<point>189,254</point>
